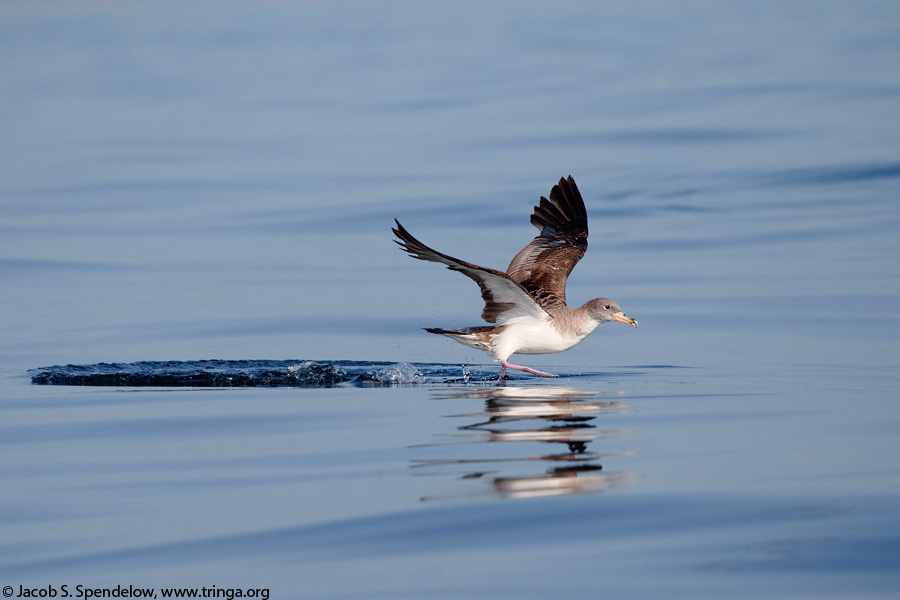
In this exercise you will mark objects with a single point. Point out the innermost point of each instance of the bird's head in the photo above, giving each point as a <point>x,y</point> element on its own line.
<point>604,310</point>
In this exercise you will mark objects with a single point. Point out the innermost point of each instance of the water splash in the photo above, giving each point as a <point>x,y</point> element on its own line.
<point>248,373</point>
<point>312,373</point>
<point>399,374</point>
<point>278,373</point>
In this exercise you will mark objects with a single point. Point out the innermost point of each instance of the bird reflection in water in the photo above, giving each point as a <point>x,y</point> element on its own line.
<point>560,416</point>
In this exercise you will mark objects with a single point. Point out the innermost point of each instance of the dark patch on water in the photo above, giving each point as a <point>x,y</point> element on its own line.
<point>228,373</point>
<point>255,373</point>
<point>265,373</point>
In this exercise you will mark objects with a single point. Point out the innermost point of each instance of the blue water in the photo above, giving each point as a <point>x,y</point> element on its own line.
<point>209,189</point>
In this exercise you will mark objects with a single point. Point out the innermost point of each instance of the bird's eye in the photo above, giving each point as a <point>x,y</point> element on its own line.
<point>608,307</point>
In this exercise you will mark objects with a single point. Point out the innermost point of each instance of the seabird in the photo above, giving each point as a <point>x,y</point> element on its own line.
<point>527,303</point>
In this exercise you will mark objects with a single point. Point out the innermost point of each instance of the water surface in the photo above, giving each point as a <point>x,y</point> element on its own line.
<point>211,187</point>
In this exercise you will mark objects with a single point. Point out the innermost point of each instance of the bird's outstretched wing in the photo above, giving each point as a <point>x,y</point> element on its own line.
<point>503,298</point>
<point>543,266</point>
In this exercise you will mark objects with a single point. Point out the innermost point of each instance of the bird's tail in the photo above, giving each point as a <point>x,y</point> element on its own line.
<point>474,337</point>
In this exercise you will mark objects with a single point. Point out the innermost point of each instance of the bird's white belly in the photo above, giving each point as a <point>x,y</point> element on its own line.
<point>530,336</point>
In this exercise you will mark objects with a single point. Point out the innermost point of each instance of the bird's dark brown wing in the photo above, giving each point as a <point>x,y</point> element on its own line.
<point>543,266</point>
<point>503,298</point>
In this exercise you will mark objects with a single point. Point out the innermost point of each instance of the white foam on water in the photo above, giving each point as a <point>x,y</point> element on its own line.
<point>401,373</point>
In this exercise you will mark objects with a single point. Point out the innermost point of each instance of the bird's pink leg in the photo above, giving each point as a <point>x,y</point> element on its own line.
<point>506,365</point>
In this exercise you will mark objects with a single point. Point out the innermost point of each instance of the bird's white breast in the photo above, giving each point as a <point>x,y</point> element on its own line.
<point>527,335</point>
